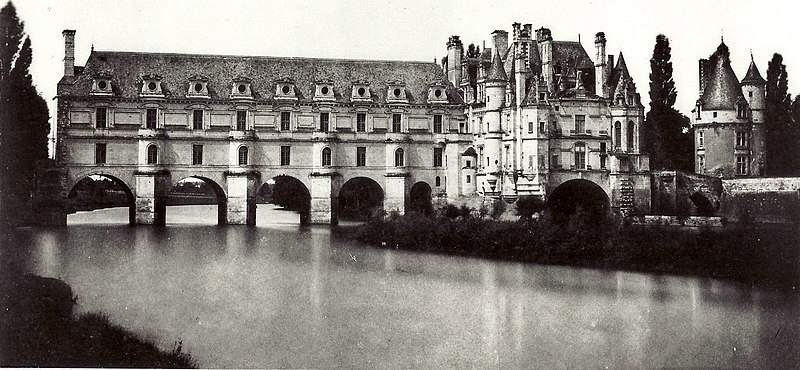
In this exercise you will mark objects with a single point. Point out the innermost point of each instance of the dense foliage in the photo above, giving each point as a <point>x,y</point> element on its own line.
<point>23,115</point>
<point>743,253</point>
<point>783,132</point>
<point>667,138</point>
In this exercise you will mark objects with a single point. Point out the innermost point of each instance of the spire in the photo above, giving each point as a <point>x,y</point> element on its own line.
<point>497,72</point>
<point>723,89</point>
<point>753,77</point>
<point>621,66</point>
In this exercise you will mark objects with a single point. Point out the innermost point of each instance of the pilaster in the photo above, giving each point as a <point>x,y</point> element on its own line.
<point>395,200</point>
<point>323,201</point>
<point>152,188</point>
<point>241,201</point>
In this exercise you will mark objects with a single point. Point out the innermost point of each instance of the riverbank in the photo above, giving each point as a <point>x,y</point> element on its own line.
<point>751,254</point>
<point>39,329</point>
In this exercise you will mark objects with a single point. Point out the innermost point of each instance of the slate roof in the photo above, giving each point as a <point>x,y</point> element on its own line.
<point>620,72</point>
<point>753,77</point>
<point>722,89</point>
<point>497,72</point>
<point>572,54</point>
<point>126,69</point>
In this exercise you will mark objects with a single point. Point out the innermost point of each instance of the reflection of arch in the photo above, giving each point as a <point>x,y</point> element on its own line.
<point>419,199</point>
<point>287,192</point>
<point>360,197</point>
<point>578,194</point>
<point>152,154</point>
<point>189,191</point>
<point>399,158</point>
<point>96,196</point>
<point>629,136</point>
<point>702,204</point>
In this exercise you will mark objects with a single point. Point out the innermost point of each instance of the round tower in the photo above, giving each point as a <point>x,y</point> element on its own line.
<point>754,90</point>
<point>496,82</point>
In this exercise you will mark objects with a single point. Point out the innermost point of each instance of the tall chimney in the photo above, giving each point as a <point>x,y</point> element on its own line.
<point>455,50</point>
<point>600,64</point>
<point>69,52</point>
<point>500,41</point>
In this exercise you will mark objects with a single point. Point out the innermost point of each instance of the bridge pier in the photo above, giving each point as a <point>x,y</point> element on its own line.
<point>152,189</point>
<point>241,202</point>
<point>395,199</point>
<point>323,202</point>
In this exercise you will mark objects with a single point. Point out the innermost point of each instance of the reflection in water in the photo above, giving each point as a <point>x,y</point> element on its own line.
<point>291,296</point>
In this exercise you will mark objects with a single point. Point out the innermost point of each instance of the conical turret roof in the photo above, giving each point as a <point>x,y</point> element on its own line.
<point>621,66</point>
<point>753,77</point>
<point>497,72</point>
<point>723,89</point>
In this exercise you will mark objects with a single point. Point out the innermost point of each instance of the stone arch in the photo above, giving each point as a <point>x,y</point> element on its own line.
<point>360,197</point>
<point>288,192</point>
<point>578,194</point>
<point>129,197</point>
<point>702,204</point>
<point>214,188</point>
<point>419,198</point>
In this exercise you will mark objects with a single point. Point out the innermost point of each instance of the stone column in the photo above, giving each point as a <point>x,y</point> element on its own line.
<point>152,188</point>
<point>323,201</point>
<point>453,165</point>
<point>241,202</point>
<point>395,199</point>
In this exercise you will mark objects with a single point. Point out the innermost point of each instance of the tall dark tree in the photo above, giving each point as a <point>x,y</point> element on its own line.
<point>667,136</point>
<point>23,114</point>
<point>796,110</point>
<point>782,134</point>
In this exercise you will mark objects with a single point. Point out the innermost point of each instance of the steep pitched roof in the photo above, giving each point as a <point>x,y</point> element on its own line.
<point>497,72</point>
<point>126,69</point>
<point>753,77</point>
<point>723,89</point>
<point>619,74</point>
<point>571,53</point>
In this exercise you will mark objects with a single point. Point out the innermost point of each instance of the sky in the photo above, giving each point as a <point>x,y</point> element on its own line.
<point>414,30</point>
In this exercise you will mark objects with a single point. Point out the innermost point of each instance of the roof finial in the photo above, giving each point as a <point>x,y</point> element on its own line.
<point>751,55</point>
<point>92,51</point>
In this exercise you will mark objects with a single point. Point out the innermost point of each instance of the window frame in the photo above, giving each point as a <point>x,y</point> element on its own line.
<point>580,124</point>
<point>437,126</point>
<point>241,120</point>
<point>399,157</point>
<point>151,154</point>
<point>198,119</point>
<point>438,157</point>
<point>397,122</point>
<point>361,122</point>
<point>327,157</point>
<point>197,154</point>
<point>324,122</point>
<point>580,156</point>
<point>742,167</point>
<point>243,153</point>
<point>286,155</point>
<point>101,118</point>
<point>100,153</point>
<point>286,121</point>
<point>151,122</point>
<point>361,156</point>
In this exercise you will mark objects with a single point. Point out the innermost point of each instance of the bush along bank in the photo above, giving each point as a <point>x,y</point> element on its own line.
<point>746,253</point>
<point>39,329</point>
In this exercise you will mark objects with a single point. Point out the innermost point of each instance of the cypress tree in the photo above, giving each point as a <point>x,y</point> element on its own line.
<point>667,137</point>
<point>781,134</point>
<point>23,115</point>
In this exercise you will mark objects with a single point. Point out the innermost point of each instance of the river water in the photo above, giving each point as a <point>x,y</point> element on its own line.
<point>282,295</point>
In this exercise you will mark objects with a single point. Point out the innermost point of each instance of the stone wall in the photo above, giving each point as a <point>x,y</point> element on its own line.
<point>685,194</point>
<point>767,200</point>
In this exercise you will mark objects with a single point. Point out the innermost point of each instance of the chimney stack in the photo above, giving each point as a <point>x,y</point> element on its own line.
<point>69,52</point>
<point>500,41</point>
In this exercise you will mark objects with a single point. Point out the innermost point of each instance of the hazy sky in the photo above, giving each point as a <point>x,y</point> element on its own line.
<point>414,30</point>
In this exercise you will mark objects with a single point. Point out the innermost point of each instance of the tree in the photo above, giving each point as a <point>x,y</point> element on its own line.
<point>667,135</point>
<point>23,114</point>
<point>528,205</point>
<point>796,110</point>
<point>782,134</point>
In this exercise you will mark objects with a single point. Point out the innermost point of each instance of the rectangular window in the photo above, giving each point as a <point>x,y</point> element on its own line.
<point>742,139</point>
<point>361,156</point>
<point>580,124</point>
<point>741,164</point>
<point>285,117</point>
<point>286,155</point>
<point>361,122</point>
<point>100,153</point>
<point>241,120</point>
<point>580,157</point>
<point>469,179</point>
<point>530,127</point>
<point>530,161</point>
<point>437,123</point>
<point>700,139</point>
<point>603,148</point>
<point>197,119</point>
<point>554,161</point>
<point>715,114</point>
<point>100,118</point>
<point>603,161</point>
<point>469,163</point>
<point>542,127</point>
<point>437,157</point>
<point>197,154</point>
<point>396,122</point>
<point>324,120</point>
<point>701,163</point>
<point>150,121</point>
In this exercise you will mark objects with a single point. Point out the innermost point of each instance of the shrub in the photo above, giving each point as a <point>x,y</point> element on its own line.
<point>528,205</point>
<point>498,208</point>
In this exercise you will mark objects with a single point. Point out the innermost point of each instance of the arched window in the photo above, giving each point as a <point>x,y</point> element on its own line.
<point>617,135</point>
<point>580,156</point>
<point>326,157</point>
<point>629,136</point>
<point>243,156</point>
<point>438,181</point>
<point>398,158</point>
<point>152,154</point>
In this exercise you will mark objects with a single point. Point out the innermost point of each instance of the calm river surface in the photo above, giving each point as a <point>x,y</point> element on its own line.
<point>281,295</point>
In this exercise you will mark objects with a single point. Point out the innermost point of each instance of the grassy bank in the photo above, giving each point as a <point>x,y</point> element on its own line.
<point>747,253</point>
<point>39,329</point>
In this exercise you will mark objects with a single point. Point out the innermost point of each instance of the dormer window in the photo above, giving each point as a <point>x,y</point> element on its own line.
<point>437,93</point>
<point>285,89</point>
<point>102,85</point>
<point>741,109</point>
<point>151,86</point>
<point>324,91</point>
<point>361,91</point>
<point>198,87</point>
<point>396,92</point>
<point>241,88</point>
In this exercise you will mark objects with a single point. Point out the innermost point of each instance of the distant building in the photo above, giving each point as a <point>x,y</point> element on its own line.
<point>728,120</point>
<point>544,116</point>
